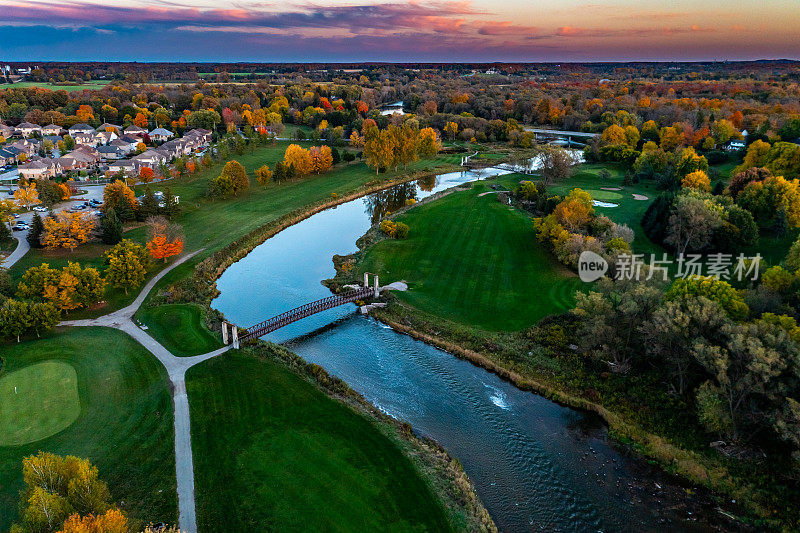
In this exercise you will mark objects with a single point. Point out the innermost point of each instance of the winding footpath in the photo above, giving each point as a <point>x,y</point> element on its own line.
<point>176,369</point>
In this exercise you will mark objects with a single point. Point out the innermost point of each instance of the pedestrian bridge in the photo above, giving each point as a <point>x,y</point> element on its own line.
<point>299,313</point>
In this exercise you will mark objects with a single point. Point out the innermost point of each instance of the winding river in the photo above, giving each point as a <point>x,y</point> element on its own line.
<point>537,466</point>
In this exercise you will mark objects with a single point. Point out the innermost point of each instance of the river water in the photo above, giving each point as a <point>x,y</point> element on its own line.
<point>536,465</point>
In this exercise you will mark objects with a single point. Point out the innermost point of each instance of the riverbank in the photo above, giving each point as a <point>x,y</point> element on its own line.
<point>443,474</point>
<point>516,358</point>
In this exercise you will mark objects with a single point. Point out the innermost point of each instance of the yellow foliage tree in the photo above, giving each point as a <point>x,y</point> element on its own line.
<point>697,180</point>
<point>67,230</point>
<point>575,211</point>
<point>451,129</point>
<point>429,143</point>
<point>300,158</point>
<point>263,174</point>
<point>613,135</point>
<point>112,521</point>
<point>27,197</point>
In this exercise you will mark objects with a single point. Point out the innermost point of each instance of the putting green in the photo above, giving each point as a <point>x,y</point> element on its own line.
<point>604,196</point>
<point>37,401</point>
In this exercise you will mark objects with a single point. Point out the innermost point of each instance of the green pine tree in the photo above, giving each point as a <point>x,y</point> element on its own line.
<point>111,227</point>
<point>35,233</point>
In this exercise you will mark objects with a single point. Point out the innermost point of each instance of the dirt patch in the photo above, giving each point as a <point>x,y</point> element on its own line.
<point>640,197</point>
<point>611,188</point>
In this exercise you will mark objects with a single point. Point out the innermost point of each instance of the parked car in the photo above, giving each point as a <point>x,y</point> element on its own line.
<point>40,208</point>
<point>18,227</point>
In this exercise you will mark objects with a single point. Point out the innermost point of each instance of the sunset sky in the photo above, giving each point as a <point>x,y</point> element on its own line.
<point>328,30</point>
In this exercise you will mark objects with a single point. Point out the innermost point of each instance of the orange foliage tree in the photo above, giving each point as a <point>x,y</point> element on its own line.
<point>112,521</point>
<point>165,238</point>
<point>322,158</point>
<point>67,230</point>
<point>300,158</point>
<point>146,174</point>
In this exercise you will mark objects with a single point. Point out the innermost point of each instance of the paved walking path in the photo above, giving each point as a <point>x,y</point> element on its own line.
<point>176,369</point>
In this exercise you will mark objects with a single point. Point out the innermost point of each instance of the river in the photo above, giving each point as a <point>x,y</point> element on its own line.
<point>536,465</point>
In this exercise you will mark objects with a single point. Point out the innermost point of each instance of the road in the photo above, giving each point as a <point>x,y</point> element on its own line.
<point>92,192</point>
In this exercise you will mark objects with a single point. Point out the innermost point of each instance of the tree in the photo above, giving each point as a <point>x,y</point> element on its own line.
<point>693,222</point>
<point>43,316</point>
<point>575,211</point>
<point>231,181</point>
<point>110,227</point>
<point>121,198</point>
<point>451,129</point>
<point>27,197</point>
<point>263,174</point>
<point>67,230</point>
<point>697,180</point>
<point>148,206</point>
<point>15,318</point>
<point>429,142</point>
<point>740,180</point>
<point>766,199</point>
<point>35,233</point>
<point>299,158</point>
<point>171,207</point>
<point>127,265</point>
<point>716,290</point>
<point>57,487</point>
<point>164,239</point>
<point>146,174</point>
<point>379,149</point>
<point>613,134</point>
<point>555,163</point>
<point>69,288</point>
<point>723,131</point>
<point>112,521</point>
<point>322,159</point>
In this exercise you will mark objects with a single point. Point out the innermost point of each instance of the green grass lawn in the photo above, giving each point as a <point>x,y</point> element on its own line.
<point>473,260</point>
<point>180,328</point>
<point>38,401</point>
<point>91,85</point>
<point>124,426</point>
<point>273,452</point>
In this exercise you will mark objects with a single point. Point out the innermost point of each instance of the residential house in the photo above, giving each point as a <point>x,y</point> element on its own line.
<point>68,163</point>
<point>6,131</point>
<point>110,152</point>
<point>175,148</point>
<point>105,137</point>
<point>734,145</point>
<point>26,129</point>
<point>26,146</point>
<point>80,128</point>
<point>126,166</point>
<point>85,139</point>
<point>42,167</point>
<point>110,127</point>
<point>52,129</point>
<point>135,131</point>
<point>125,146</point>
<point>161,135</point>
<point>198,138</point>
<point>85,156</point>
<point>150,158</point>
<point>7,157</point>
<point>132,141</point>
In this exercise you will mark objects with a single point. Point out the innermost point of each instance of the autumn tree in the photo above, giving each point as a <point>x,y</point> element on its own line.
<point>379,149</point>
<point>692,223</point>
<point>555,163</point>
<point>774,195</point>
<point>121,198</point>
<point>697,180</point>
<point>165,239</point>
<point>146,174</point>
<point>575,211</point>
<point>127,265</point>
<point>299,158</point>
<point>451,129</point>
<point>67,230</point>
<point>429,142</point>
<point>71,287</point>
<point>321,158</point>
<point>58,487</point>
<point>27,197</point>
<point>112,521</point>
<point>263,174</point>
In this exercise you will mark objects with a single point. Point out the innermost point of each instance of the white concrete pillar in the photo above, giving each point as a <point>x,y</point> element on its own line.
<point>224,333</point>
<point>366,279</point>
<point>377,287</point>
<point>235,332</point>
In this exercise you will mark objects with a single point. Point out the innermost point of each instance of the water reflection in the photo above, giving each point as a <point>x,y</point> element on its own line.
<point>389,200</point>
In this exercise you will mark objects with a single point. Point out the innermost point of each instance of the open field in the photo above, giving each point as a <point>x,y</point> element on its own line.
<point>180,328</point>
<point>271,451</point>
<point>91,85</point>
<point>124,426</point>
<point>471,259</point>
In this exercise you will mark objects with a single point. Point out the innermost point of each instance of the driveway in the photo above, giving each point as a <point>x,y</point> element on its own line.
<point>92,192</point>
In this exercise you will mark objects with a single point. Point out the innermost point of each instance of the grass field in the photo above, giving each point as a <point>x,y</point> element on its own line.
<point>125,423</point>
<point>180,328</point>
<point>473,260</point>
<point>273,452</point>
<point>38,401</point>
<point>91,85</point>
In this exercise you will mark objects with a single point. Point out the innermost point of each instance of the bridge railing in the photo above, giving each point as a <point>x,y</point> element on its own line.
<point>293,315</point>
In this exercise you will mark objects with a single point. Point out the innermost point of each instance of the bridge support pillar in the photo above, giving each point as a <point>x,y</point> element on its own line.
<point>235,332</point>
<point>377,287</point>
<point>366,279</point>
<point>224,333</point>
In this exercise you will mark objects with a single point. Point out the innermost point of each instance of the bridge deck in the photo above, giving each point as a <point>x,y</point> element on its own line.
<point>298,313</point>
